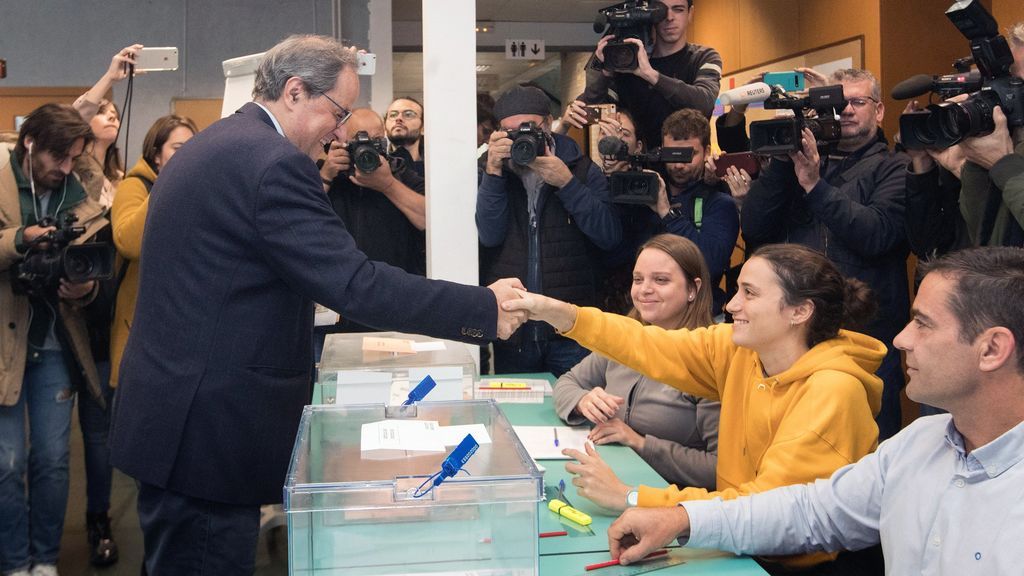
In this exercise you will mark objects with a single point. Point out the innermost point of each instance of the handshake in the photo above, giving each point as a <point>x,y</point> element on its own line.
<point>516,306</point>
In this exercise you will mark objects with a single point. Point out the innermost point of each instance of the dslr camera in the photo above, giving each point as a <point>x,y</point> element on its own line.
<point>627,20</point>
<point>527,143</point>
<point>782,135</point>
<point>635,186</point>
<point>51,257</point>
<point>366,153</point>
<point>940,126</point>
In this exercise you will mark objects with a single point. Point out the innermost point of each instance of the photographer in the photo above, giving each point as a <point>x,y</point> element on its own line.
<point>384,209</point>
<point>545,219</point>
<point>46,353</point>
<point>689,207</point>
<point>970,194</point>
<point>669,75</point>
<point>850,205</point>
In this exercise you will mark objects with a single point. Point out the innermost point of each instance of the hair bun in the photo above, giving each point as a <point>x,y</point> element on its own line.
<point>859,304</point>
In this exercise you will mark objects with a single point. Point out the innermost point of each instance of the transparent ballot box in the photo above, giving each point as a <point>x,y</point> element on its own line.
<point>381,367</point>
<point>350,504</point>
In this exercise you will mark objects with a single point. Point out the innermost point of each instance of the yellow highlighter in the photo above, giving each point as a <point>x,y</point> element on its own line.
<point>563,509</point>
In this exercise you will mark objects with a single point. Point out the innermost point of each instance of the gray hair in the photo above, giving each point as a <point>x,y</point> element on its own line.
<point>316,60</point>
<point>857,75</point>
<point>1016,34</point>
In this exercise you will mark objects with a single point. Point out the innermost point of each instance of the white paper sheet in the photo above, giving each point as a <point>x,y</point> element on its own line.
<point>539,441</point>
<point>363,387</point>
<point>448,379</point>
<point>452,435</point>
<point>406,435</point>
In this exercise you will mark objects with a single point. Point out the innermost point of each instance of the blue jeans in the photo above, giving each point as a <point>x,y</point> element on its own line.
<point>95,422</point>
<point>556,355</point>
<point>30,529</point>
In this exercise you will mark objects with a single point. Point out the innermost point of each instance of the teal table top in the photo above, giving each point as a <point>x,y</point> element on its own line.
<point>568,555</point>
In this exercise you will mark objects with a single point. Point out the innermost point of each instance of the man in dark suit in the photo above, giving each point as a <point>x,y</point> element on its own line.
<point>240,240</point>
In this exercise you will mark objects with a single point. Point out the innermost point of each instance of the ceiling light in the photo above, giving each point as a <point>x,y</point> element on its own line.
<point>483,67</point>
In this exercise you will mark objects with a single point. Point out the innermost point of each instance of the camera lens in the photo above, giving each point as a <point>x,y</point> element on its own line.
<point>366,159</point>
<point>620,56</point>
<point>77,265</point>
<point>524,150</point>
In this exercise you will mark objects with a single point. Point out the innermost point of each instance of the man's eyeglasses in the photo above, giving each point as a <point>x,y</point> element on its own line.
<point>345,112</point>
<point>406,114</point>
<point>860,102</point>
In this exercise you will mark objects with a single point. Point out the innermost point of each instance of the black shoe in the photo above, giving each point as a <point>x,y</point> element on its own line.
<point>102,548</point>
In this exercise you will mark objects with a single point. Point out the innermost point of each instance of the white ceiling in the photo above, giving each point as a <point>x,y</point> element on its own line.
<point>513,10</point>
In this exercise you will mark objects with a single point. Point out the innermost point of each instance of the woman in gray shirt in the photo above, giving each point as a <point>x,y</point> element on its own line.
<point>675,433</point>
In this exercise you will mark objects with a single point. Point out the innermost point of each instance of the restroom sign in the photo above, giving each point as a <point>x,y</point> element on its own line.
<point>520,49</point>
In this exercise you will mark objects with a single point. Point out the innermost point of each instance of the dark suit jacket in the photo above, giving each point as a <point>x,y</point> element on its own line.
<point>240,239</point>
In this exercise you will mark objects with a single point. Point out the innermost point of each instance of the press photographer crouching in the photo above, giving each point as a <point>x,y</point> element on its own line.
<point>46,277</point>
<point>379,198</point>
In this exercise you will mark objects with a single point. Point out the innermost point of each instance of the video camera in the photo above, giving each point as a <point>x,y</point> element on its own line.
<point>627,20</point>
<point>51,257</point>
<point>948,123</point>
<point>366,153</point>
<point>782,135</point>
<point>635,186</point>
<point>527,143</point>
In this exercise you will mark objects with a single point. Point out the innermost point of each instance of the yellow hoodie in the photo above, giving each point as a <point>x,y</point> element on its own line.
<point>791,428</point>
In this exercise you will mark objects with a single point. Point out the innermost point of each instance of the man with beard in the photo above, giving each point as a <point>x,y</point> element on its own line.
<point>851,205</point>
<point>687,206</point>
<point>404,124</point>
<point>548,221</point>
<point>44,346</point>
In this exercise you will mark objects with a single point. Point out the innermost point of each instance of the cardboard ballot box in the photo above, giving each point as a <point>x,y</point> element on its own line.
<point>381,367</point>
<point>350,493</point>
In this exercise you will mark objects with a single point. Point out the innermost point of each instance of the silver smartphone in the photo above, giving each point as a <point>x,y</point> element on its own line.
<point>157,59</point>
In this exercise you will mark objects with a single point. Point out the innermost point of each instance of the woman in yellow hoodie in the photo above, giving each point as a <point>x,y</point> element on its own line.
<point>798,393</point>
<point>128,218</point>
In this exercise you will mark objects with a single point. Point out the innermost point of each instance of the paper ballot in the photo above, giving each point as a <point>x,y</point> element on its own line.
<point>387,439</point>
<point>539,441</point>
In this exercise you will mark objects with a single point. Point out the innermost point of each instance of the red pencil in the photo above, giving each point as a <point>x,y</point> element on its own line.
<point>550,534</point>
<point>616,561</point>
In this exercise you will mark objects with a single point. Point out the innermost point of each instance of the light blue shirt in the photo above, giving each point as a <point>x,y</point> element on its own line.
<point>935,508</point>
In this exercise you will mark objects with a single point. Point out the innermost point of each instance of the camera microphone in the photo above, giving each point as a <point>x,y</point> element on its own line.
<point>912,87</point>
<point>946,86</point>
<point>610,146</point>
<point>600,23</point>
<point>756,92</point>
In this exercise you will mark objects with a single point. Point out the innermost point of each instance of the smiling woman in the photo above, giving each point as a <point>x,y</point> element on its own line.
<point>798,393</point>
<point>676,433</point>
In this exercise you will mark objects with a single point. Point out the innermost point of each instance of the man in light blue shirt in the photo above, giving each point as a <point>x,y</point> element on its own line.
<point>945,495</point>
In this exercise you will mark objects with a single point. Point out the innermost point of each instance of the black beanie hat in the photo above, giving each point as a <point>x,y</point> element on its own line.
<point>522,100</point>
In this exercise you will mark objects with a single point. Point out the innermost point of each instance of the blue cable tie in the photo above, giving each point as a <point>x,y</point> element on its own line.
<point>420,391</point>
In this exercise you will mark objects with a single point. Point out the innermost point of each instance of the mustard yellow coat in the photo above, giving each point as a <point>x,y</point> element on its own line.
<point>128,218</point>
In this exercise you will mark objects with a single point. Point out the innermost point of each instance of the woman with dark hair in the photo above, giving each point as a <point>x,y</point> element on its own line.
<point>128,217</point>
<point>798,392</point>
<point>676,433</point>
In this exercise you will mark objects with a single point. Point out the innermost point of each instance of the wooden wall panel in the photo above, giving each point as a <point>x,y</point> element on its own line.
<point>21,101</point>
<point>825,21</point>
<point>717,24</point>
<point>769,29</point>
<point>202,111</point>
<point>1008,12</point>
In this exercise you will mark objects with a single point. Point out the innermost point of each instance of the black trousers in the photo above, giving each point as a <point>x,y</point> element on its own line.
<point>191,536</point>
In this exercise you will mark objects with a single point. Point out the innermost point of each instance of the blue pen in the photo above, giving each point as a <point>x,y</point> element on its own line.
<point>556,436</point>
<point>421,390</point>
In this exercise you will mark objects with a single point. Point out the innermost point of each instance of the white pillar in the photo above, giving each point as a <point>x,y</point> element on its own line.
<point>449,100</point>
<point>382,83</point>
<point>449,94</point>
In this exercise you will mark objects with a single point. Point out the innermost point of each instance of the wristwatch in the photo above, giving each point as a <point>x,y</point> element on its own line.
<point>673,213</point>
<point>632,498</point>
